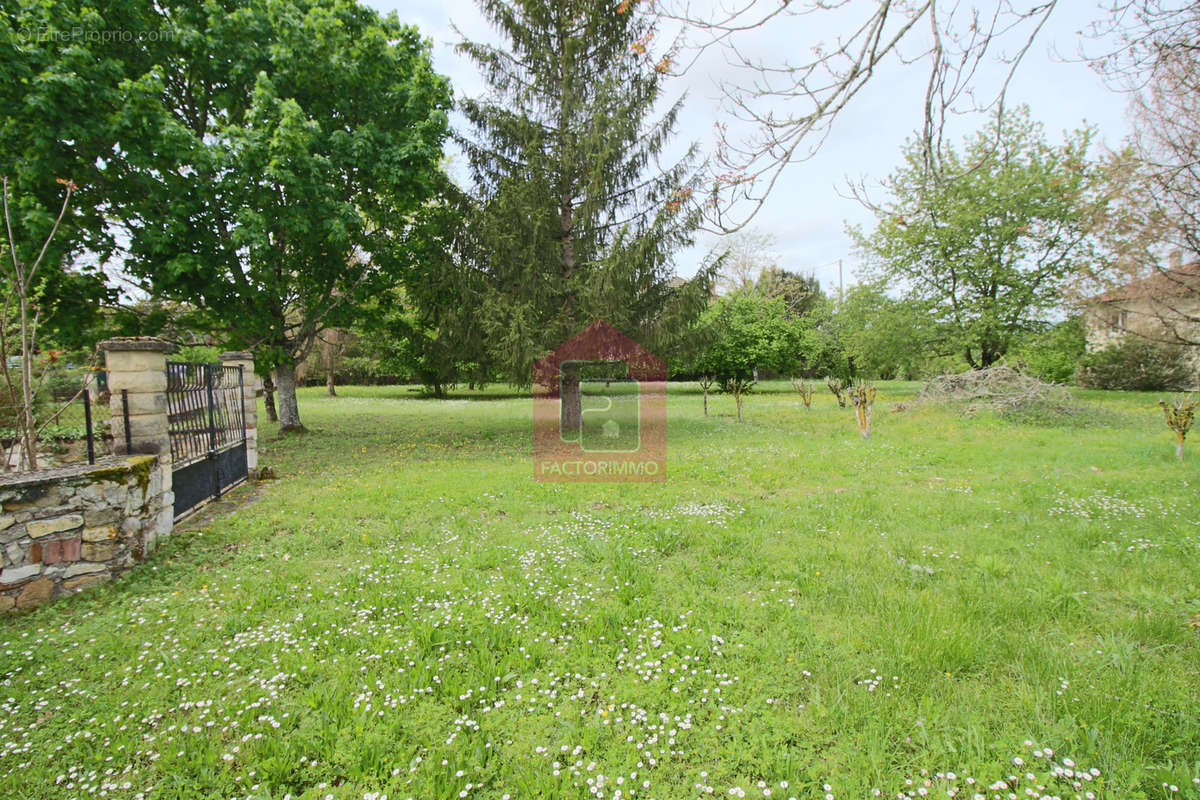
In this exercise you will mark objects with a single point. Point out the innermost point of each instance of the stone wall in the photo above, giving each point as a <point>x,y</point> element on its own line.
<point>64,530</point>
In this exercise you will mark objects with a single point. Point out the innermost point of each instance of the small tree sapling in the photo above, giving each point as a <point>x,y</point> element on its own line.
<point>805,389</point>
<point>862,395</point>
<point>838,387</point>
<point>706,381</point>
<point>1180,415</point>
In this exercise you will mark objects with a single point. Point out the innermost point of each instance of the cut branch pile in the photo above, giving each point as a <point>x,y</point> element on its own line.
<point>1002,389</point>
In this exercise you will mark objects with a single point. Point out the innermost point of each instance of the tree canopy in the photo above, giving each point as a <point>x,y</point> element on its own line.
<point>988,251</point>
<point>69,102</point>
<point>575,218</point>
<point>292,139</point>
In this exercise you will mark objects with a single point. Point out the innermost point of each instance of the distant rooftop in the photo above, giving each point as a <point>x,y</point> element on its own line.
<point>1165,282</point>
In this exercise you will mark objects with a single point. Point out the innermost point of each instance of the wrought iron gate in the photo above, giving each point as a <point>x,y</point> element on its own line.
<point>206,419</point>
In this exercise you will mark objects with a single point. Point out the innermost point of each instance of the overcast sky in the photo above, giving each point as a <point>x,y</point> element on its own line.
<point>808,211</point>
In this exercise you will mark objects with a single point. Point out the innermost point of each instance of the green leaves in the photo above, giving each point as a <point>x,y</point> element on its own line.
<point>293,139</point>
<point>62,94</point>
<point>989,238</point>
<point>747,332</point>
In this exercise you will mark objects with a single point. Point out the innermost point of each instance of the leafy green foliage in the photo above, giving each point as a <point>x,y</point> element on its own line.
<point>1137,364</point>
<point>292,140</point>
<point>987,241</point>
<point>197,353</point>
<point>1054,354</point>
<point>67,100</point>
<point>749,332</point>
<point>429,326</point>
<point>575,220</point>
<point>880,335</point>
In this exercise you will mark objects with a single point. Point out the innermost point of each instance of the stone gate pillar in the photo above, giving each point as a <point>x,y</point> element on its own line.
<point>138,365</point>
<point>245,360</point>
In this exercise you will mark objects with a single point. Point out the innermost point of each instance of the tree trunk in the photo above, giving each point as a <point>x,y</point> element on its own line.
<point>864,422</point>
<point>330,344</point>
<point>289,412</point>
<point>571,414</point>
<point>269,399</point>
<point>27,422</point>
<point>705,401</point>
<point>737,395</point>
<point>1179,449</point>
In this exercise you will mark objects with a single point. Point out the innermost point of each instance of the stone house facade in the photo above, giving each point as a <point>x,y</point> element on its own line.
<point>1164,306</point>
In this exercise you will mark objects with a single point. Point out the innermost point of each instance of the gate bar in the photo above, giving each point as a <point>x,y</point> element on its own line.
<point>87,419</point>
<point>212,432</point>
<point>125,413</point>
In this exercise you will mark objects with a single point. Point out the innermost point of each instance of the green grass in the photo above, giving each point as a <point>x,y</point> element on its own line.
<point>406,612</point>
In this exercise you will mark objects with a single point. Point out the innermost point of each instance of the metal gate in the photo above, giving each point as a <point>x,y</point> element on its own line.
<point>206,419</point>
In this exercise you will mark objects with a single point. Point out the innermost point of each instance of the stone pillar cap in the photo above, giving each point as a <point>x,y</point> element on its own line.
<point>237,355</point>
<point>140,343</point>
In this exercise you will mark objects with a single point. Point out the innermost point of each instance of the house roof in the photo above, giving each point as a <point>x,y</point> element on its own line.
<point>1162,283</point>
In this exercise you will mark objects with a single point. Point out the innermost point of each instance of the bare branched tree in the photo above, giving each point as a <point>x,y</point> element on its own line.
<point>1156,59</point>
<point>20,274</point>
<point>744,256</point>
<point>791,105</point>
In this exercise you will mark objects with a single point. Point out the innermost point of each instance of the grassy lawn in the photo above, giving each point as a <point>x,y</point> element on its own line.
<point>794,613</point>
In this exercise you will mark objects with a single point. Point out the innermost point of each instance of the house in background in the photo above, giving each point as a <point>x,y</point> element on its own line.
<point>1164,306</point>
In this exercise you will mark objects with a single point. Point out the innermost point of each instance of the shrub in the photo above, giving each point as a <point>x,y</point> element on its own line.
<point>1136,364</point>
<point>197,354</point>
<point>62,384</point>
<point>1053,355</point>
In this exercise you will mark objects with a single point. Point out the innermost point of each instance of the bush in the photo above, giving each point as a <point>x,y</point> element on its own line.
<point>197,354</point>
<point>1054,355</point>
<point>1137,364</point>
<point>62,384</point>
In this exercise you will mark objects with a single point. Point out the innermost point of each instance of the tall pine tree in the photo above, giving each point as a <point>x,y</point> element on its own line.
<point>576,218</point>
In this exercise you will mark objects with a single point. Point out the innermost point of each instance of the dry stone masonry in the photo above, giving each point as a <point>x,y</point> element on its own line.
<point>64,530</point>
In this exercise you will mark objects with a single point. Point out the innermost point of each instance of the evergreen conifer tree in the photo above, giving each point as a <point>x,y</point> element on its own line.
<point>576,218</point>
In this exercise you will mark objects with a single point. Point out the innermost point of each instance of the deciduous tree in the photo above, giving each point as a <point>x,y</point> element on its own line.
<point>69,98</point>
<point>744,256</point>
<point>884,336</point>
<point>293,138</point>
<point>988,252</point>
<point>1155,179</point>
<point>789,103</point>
<point>745,333</point>
<point>801,293</point>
